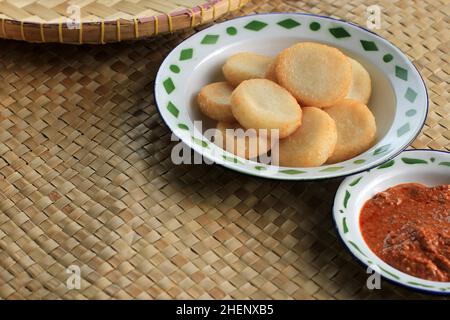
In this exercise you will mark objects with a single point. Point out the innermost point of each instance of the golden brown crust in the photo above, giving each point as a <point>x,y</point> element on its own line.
<point>356,129</point>
<point>270,73</point>
<point>247,144</point>
<point>214,101</point>
<point>244,66</point>
<point>361,86</point>
<point>316,74</point>
<point>263,104</point>
<point>312,143</point>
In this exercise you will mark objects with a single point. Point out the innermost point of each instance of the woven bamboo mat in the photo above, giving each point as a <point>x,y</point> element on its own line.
<point>86,179</point>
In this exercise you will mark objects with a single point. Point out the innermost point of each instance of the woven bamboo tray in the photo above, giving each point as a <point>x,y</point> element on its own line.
<point>86,179</point>
<point>100,21</point>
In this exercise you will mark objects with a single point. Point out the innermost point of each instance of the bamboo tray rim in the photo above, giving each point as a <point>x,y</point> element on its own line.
<point>202,9</point>
<point>183,18</point>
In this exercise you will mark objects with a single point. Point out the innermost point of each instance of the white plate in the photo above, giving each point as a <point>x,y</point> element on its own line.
<point>399,98</point>
<point>427,167</point>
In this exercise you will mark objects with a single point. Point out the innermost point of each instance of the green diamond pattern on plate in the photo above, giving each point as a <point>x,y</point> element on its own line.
<point>289,23</point>
<point>410,112</point>
<point>355,182</point>
<point>388,57</point>
<point>292,171</point>
<point>210,39</point>
<point>346,197</point>
<point>403,129</point>
<point>200,142</point>
<point>420,284</point>
<point>314,26</point>
<point>174,68</point>
<point>186,54</point>
<point>173,109</point>
<point>414,161</point>
<point>401,73</point>
<point>388,164</point>
<point>389,273</point>
<point>359,161</point>
<point>331,169</point>
<point>183,126</point>
<point>381,149</point>
<point>255,25</point>
<point>410,95</point>
<point>339,32</point>
<point>357,248</point>
<point>369,45</point>
<point>231,159</point>
<point>168,85</point>
<point>232,31</point>
<point>344,225</point>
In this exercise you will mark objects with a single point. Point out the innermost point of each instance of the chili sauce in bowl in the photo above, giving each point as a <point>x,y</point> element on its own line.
<point>408,227</point>
<point>395,219</point>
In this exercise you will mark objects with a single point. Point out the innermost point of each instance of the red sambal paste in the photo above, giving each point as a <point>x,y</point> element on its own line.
<point>408,227</point>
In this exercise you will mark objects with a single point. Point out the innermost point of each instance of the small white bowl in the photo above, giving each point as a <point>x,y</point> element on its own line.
<point>427,167</point>
<point>399,99</point>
